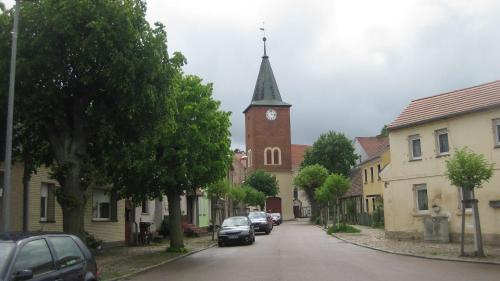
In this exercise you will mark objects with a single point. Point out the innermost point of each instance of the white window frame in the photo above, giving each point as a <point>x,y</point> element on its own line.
<point>496,136</point>
<point>416,189</point>
<point>438,143</point>
<point>460,198</point>
<point>411,139</point>
<point>99,197</point>
<point>44,195</point>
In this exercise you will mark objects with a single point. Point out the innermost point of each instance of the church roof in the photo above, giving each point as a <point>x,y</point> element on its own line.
<point>266,90</point>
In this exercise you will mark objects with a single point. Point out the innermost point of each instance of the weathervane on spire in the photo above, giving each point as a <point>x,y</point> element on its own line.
<point>264,38</point>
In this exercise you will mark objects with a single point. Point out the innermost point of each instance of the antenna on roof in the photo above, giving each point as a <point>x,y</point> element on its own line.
<point>264,38</point>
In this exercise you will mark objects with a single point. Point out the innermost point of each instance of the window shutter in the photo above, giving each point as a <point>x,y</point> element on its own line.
<point>113,203</point>
<point>51,203</point>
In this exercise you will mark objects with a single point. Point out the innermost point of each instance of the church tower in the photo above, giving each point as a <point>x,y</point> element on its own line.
<point>267,124</point>
<point>268,138</point>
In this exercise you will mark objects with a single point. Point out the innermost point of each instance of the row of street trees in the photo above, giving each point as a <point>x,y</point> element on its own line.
<point>253,192</point>
<point>100,101</point>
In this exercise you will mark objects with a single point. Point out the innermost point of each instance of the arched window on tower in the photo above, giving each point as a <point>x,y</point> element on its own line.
<point>276,156</point>
<point>268,156</point>
<point>272,156</point>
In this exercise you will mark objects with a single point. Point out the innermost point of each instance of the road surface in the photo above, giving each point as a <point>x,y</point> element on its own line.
<point>300,251</point>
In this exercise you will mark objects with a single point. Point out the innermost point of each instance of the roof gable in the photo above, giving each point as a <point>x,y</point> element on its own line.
<point>373,146</point>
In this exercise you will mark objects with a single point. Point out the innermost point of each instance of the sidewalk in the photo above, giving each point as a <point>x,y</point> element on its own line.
<point>125,260</point>
<point>375,238</point>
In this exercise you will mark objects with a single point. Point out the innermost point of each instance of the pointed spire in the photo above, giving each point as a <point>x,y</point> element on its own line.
<point>266,90</point>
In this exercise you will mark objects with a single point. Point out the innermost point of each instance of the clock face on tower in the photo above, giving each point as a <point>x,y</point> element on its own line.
<point>271,114</point>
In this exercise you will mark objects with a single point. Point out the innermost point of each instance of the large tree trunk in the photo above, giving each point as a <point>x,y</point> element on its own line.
<point>72,199</point>
<point>174,216</point>
<point>214,208</point>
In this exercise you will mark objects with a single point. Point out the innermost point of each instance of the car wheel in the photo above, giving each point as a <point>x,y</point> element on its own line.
<point>268,231</point>
<point>220,244</point>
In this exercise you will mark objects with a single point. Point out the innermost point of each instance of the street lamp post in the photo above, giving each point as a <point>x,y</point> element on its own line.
<point>7,188</point>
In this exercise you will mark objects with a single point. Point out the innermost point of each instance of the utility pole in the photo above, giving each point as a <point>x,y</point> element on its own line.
<point>7,186</point>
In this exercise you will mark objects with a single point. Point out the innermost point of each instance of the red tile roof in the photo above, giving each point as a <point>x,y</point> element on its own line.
<point>449,104</point>
<point>373,145</point>
<point>298,151</point>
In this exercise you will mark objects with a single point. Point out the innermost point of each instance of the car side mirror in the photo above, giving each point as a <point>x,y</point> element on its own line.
<point>23,275</point>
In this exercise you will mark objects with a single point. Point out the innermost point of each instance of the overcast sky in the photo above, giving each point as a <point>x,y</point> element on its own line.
<point>349,66</point>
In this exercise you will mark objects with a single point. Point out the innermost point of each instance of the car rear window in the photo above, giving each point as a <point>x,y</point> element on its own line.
<point>6,249</point>
<point>257,215</point>
<point>67,251</point>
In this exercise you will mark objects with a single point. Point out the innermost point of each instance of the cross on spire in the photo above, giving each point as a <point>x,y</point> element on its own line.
<point>264,39</point>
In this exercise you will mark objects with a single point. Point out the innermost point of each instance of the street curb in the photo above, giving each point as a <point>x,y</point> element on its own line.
<point>408,254</point>
<point>128,275</point>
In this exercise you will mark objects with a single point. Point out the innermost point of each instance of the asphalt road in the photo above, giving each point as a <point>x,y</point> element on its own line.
<point>299,251</point>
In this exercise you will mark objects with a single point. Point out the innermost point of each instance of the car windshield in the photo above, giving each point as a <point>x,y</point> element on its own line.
<point>235,222</point>
<point>257,215</point>
<point>5,250</point>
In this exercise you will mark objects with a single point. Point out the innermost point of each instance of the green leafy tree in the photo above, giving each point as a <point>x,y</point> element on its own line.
<point>193,153</point>
<point>309,179</point>
<point>215,191</point>
<point>331,191</point>
<point>334,151</point>
<point>385,131</point>
<point>254,197</point>
<point>92,76</point>
<point>468,171</point>
<point>263,182</point>
<point>237,195</point>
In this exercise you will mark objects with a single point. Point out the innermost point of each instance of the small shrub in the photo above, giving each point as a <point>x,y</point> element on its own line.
<point>317,220</point>
<point>92,242</point>
<point>378,216</point>
<point>342,228</point>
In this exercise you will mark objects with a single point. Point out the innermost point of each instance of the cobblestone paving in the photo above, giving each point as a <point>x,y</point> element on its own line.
<point>376,238</point>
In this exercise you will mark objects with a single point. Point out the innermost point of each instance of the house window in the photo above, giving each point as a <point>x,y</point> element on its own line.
<point>415,147</point>
<point>496,131</point>
<point>272,156</point>
<point>371,173</point>
<point>101,205</point>
<point>366,205</point>
<point>465,194</point>
<point>43,202</point>
<point>373,203</point>
<point>145,206</point>
<point>366,176</point>
<point>47,202</point>
<point>442,142</point>
<point>379,169</point>
<point>421,197</point>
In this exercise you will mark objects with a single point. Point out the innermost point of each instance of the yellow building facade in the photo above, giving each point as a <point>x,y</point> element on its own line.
<point>416,185</point>
<point>45,214</point>
<point>373,186</point>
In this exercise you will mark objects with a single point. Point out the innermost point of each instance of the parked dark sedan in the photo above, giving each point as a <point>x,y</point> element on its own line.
<point>236,229</point>
<point>44,256</point>
<point>261,222</point>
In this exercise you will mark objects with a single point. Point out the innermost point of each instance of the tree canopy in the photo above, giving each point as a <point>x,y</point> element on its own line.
<point>332,189</point>
<point>253,197</point>
<point>468,169</point>
<point>332,150</point>
<point>92,76</point>
<point>309,179</point>
<point>263,182</point>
